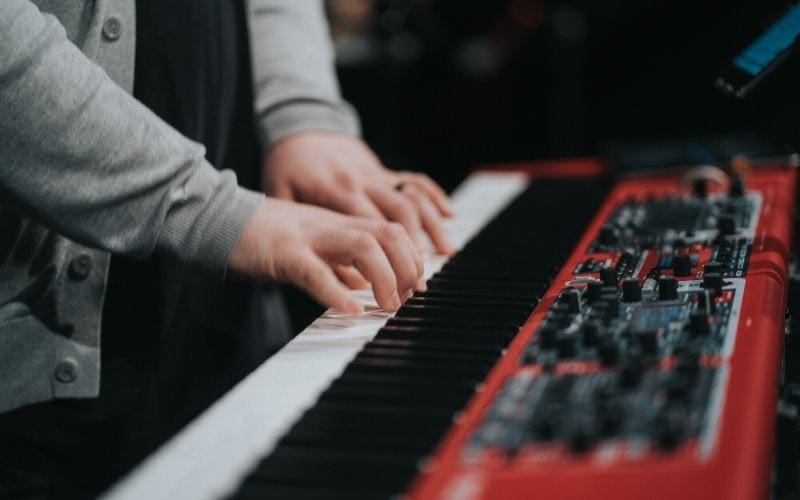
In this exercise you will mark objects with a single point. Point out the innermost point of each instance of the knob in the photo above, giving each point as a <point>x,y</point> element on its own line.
<point>631,373</point>
<point>580,433</point>
<point>737,188</point>
<point>726,225</point>
<point>712,267</point>
<point>590,332</point>
<point>648,339</point>
<point>608,351</point>
<point>558,319</point>
<point>631,291</point>
<point>592,292</point>
<point>608,276</point>
<point>608,235</point>
<point>669,428</point>
<point>677,386</point>
<point>698,323</point>
<point>682,265</point>
<point>700,188</point>
<point>565,344</point>
<point>713,283</point>
<point>571,300</point>
<point>547,337</point>
<point>705,302</point>
<point>667,288</point>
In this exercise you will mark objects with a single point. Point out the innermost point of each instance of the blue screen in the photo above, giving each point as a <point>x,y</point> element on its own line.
<point>780,36</point>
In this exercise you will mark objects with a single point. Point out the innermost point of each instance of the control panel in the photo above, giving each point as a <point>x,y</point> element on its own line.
<point>650,364</point>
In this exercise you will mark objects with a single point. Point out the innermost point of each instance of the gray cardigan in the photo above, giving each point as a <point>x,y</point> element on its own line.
<point>85,170</point>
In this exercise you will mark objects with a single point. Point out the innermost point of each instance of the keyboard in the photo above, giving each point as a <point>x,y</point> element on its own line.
<point>579,341</point>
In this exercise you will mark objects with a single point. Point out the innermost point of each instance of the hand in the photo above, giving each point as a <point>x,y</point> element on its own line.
<point>310,247</point>
<point>340,172</point>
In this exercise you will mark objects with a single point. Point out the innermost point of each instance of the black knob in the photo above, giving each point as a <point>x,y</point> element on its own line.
<point>631,372</point>
<point>571,300</point>
<point>590,332</point>
<point>648,339</point>
<point>738,184</point>
<point>713,283</point>
<point>706,302</point>
<point>667,288</point>
<point>631,291</point>
<point>608,276</point>
<point>608,235</point>
<point>592,292</point>
<point>547,337</point>
<point>712,267</point>
<point>668,428</point>
<point>580,433</point>
<point>700,188</point>
<point>677,386</point>
<point>565,344</point>
<point>726,225</point>
<point>682,265</point>
<point>698,324</point>
<point>608,351</point>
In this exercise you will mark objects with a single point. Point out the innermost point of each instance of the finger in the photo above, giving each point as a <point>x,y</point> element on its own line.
<point>361,248</point>
<point>405,259</point>
<point>315,277</point>
<point>355,203</point>
<point>282,191</point>
<point>350,277</point>
<point>431,221</point>
<point>397,208</point>
<point>432,189</point>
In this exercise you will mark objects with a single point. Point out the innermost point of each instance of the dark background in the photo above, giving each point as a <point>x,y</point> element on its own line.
<point>563,78</point>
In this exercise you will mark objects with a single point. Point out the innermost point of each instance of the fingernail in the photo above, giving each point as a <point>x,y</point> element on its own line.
<point>394,302</point>
<point>408,294</point>
<point>422,286</point>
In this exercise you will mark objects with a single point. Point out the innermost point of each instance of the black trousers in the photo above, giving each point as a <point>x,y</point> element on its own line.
<point>173,339</point>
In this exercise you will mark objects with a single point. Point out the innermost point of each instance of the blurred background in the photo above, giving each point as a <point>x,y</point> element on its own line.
<point>445,85</point>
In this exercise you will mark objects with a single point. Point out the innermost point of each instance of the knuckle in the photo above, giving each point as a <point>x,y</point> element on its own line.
<point>364,243</point>
<point>345,181</point>
<point>392,232</point>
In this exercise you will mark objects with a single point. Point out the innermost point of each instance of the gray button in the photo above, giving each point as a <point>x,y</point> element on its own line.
<point>112,28</point>
<point>80,267</point>
<point>67,370</point>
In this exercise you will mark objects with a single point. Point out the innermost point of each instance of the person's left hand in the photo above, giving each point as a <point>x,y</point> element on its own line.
<point>341,173</point>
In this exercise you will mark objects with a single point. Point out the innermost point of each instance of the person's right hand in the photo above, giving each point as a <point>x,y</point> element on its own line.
<point>317,250</point>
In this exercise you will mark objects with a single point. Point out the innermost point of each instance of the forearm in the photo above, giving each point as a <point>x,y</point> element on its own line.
<point>295,82</point>
<point>80,155</point>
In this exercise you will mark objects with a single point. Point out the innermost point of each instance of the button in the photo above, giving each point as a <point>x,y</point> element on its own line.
<point>667,288</point>
<point>682,265</point>
<point>66,370</point>
<point>608,276</point>
<point>726,225</point>
<point>112,28</point>
<point>713,283</point>
<point>698,324</point>
<point>590,332</point>
<point>80,267</point>
<point>592,292</point>
<point>571,299</point>
<point>712,267</point>
<point>631,291</point>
